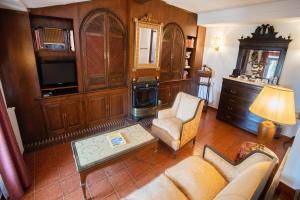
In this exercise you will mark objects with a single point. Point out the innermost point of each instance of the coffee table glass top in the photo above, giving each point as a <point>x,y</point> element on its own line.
<point>96,149</point>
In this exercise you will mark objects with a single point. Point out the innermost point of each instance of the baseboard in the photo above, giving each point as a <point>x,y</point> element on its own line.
<point>213,108</point>
<point>286,191</point>
<point>70,136</point>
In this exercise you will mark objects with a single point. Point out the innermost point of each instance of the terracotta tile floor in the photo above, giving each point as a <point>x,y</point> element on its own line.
<point>55,177</point>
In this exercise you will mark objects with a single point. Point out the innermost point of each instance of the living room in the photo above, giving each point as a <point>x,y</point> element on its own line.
<point>149,99</point>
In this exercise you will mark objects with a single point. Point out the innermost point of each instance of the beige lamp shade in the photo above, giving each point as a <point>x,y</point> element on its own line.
<point>276,104</point>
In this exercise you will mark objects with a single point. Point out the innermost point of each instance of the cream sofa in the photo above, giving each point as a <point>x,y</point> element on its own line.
<point>210,177</point>
<point>179,124</point>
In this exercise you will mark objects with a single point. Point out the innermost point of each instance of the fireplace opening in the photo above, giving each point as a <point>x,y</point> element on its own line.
<point>144,97</point>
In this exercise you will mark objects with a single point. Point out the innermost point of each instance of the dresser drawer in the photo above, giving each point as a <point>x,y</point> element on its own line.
<point>245,122</point>
<point>235,101</point>
<point>247,94</point>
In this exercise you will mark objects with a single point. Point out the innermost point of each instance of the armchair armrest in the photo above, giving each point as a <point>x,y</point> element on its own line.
<point>191,126</point>
<point>166,113</point>
<point>231,169</point>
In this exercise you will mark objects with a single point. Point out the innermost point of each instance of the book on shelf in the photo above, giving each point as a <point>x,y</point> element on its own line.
<point>71,33</point>
<point>54,39</point>
<point>116,139</point>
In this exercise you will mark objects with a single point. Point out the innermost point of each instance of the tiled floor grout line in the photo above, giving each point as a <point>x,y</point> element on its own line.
<point>34,173</point>
<point>88,189</point>
<point>114,188</point>
<point>131,176</point>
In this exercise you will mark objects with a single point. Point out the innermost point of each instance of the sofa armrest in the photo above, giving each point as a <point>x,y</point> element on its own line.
<point>230,169</point>
<point>166,113</point>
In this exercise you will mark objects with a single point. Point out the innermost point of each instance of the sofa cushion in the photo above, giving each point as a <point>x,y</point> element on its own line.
<point>160,188</point>
<point>187,107</point>
<point>197,178</point>
<point>244,185</point>
<point>171,125</point>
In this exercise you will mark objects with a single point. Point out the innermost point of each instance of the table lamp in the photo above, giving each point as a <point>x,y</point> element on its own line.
<point>275,104</point>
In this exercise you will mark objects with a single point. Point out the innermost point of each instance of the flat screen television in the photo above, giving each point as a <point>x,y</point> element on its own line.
<point>57,73</point>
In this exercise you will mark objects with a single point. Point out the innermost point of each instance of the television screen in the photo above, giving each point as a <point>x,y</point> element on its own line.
<point>58,73</point>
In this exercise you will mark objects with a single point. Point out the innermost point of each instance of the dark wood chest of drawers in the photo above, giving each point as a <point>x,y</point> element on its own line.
<point>235,100</point>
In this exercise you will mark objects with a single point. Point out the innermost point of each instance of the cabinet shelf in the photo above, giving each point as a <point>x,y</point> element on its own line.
<point>59,88</point>
<point>44,53</point>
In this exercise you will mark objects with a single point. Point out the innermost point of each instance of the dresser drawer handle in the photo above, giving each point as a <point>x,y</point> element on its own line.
<point>229,108</point>
<point>231,100</point>
<point>228,116</point>
<point>233,91</point>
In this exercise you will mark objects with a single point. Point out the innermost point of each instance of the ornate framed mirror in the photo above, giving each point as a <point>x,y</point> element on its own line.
<point>262,55</point>
<point>147,43</point>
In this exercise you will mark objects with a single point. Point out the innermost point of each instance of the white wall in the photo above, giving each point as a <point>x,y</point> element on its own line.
<point>224,61</point>
<point>291,171</point>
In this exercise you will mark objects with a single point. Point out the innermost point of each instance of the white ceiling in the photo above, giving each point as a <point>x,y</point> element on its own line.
<point>212,5</point>
<point>268,12</point>
<point>191,5</point>
<point>45,3</point>
<point>22,5</point>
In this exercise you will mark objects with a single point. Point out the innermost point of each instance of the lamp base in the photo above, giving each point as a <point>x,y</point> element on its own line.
<point>266,132</point>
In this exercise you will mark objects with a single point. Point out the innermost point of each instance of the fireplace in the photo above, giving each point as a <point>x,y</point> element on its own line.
<point>144,97</point>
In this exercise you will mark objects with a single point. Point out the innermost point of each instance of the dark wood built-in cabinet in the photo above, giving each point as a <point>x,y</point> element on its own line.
<point>169,90</point>
<point>103,50</point>
<point>63,114</point>
<point>73,112</point>
<point>102,54</point>
<point>172,53</point>
<point>235,100</point>
<point>105,105</point>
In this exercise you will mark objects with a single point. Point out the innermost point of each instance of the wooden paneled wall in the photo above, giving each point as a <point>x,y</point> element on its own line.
<point>18,67</point>
<point>18,73</point>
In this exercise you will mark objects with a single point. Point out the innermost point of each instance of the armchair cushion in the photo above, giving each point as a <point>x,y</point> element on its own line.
<point>160,188</point>
<point>166,113</point>
<point>244,186</point>
<point>197,178</point>
<point>187,107</point>
<point>171,125</point>
<point>165,137</point>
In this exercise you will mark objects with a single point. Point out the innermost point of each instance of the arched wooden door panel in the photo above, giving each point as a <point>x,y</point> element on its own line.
<point>117,52</point>
<point>172,53</point>
<point>103,49</point>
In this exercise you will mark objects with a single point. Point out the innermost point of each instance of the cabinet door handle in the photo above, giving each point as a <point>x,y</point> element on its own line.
<point>231,100</point>
<point>233,91</point>
<point>228,116</point>
<point>64,116</point>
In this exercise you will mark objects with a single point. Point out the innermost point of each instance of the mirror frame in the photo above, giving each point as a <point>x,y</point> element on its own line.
<point>264,38</point>
<point>147,22</point>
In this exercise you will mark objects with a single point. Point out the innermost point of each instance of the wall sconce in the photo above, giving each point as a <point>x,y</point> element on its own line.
<point>216,43</point>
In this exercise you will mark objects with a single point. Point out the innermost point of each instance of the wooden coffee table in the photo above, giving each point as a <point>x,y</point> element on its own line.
<point>95,152</point>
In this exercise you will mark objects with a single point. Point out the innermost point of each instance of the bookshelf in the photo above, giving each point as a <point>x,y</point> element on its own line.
<point>189,56</point>
<point>53,42</point>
